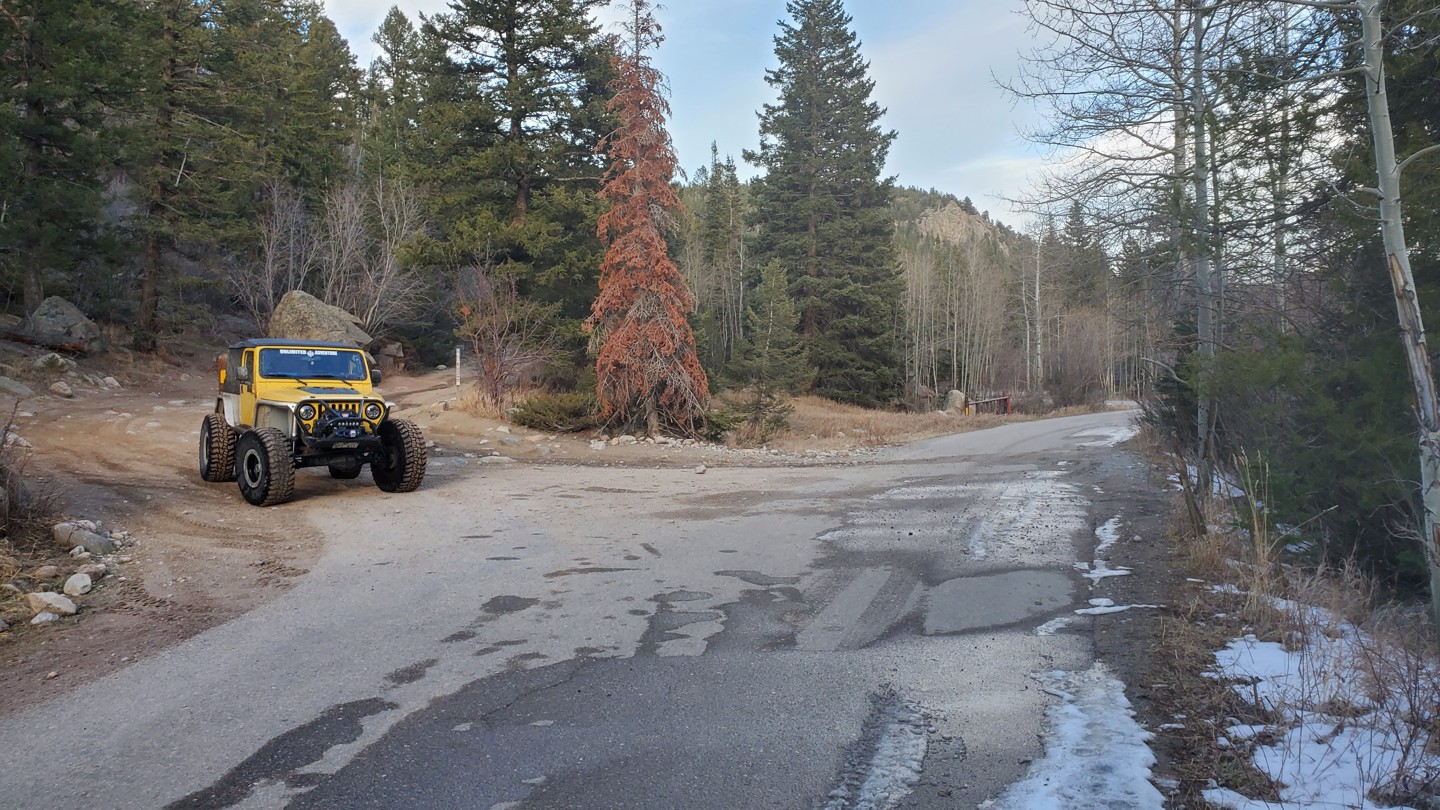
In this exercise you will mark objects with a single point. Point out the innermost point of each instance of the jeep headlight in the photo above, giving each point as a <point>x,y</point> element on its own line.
<point>373,411</point>
<point>306,412</point>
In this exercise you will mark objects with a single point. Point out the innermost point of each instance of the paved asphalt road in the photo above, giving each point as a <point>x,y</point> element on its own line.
<point>608,637</point>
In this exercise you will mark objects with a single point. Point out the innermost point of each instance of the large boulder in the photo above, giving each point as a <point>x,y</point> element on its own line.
<point>302,316</point>
<point>58,322</point>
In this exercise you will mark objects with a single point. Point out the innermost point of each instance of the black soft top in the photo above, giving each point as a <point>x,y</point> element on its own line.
<point>255,343</point>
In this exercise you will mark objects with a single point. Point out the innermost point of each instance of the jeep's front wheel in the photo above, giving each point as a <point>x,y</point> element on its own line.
<point>217,450</point>
<point>264,468</point>
<point>400,466</point>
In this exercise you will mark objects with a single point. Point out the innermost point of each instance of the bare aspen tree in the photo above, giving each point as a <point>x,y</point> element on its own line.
<point>1388,170</point>
<point>285,259</point>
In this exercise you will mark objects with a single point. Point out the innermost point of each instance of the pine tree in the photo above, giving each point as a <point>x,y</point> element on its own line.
<point>292,118</point>
<point>170,156</point>
<point>1085,269</point>
<point>648,371</point>
<point>514,141</point>
<point>219,118</point>
<point>771,361</point>
<point>394,93</point>
<point>823,208</point>
<point>773,357</point>
<point>62,66</point>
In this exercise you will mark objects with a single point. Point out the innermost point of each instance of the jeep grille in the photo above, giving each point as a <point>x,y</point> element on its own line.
<point>337,419</point>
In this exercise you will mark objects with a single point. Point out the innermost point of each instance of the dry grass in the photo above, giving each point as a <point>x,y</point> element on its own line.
<point>819,424</point>
<point>1205,620</point>
<point>1199,709</point>
<point>479,404</point>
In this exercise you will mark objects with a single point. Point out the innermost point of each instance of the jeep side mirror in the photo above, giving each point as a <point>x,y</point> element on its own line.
<point>376,375</point>
<point>243,374</point>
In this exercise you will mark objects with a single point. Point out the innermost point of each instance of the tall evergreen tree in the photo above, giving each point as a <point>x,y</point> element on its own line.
<point>1084,268</point>
<point>62,66</point>
<point>516,135</point>
<point>171,156</point>
<point>648,371</point>
<point>394,96</point>
<point>823,207</point>
<point>219,118</point>
<point>296,116</point>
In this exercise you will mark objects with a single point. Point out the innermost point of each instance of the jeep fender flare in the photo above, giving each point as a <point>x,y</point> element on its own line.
<point>278,416</point>
<point>228,405</point>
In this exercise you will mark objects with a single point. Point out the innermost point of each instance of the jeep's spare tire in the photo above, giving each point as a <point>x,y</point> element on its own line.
<point>217,450</point>
<point>400,466</point>
<point>264,468</point>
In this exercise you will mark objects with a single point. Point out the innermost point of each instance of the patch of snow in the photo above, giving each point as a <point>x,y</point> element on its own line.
<point>1096,756</point>
<point>1108,535</point>
<point>895,763</point>
<point>1110,436</point>
<point>1321,760</point>
<point>1219,484</point>
<point>1053,626</point>
<point>1103,606</point>
<point>1102,569</point>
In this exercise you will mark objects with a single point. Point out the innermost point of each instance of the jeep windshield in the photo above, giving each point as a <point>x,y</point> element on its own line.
<point>312,364</point>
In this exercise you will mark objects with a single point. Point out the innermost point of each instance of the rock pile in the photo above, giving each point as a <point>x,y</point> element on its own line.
<point>50,590</point>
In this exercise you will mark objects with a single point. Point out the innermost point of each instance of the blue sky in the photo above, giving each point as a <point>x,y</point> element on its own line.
<point>932,62</point>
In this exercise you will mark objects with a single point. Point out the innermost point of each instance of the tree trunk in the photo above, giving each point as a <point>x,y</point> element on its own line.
<point>1205,326</point>
<point>1412,328</point>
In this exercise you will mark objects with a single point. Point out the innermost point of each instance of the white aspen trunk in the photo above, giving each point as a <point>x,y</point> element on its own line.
<point>1039,329</point>
<point>1412,327</point>
<point>1025,311</point>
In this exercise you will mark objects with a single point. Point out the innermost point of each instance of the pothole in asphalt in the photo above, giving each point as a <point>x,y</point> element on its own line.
<point>972,603</point>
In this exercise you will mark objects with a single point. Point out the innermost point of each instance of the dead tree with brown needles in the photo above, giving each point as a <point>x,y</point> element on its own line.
<point>649,375</point>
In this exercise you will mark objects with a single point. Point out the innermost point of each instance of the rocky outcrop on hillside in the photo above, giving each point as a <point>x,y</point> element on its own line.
<point>956,226</point>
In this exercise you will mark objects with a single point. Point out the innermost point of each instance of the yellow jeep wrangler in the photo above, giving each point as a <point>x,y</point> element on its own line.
<point>284,404</point>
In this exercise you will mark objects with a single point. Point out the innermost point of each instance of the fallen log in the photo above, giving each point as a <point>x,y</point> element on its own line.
<point>59,343</point>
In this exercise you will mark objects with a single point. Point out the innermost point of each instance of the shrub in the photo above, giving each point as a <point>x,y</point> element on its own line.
<point>718,423</point>
<point>564,413</point>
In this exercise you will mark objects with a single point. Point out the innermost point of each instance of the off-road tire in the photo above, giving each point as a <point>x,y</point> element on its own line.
<point>264,467</point>
<point>405,453</point>
<point>217,450</point>
<point>346,470</point>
